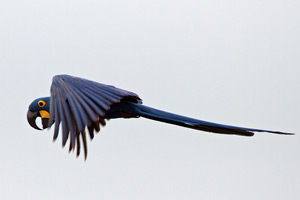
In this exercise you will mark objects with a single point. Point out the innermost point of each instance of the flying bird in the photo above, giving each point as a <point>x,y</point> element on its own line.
<point>79,104</point>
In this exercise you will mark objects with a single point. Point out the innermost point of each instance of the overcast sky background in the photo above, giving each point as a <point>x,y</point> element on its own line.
<point>233,62</point>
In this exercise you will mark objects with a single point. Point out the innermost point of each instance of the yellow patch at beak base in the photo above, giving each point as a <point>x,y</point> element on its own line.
<point>44,114</point>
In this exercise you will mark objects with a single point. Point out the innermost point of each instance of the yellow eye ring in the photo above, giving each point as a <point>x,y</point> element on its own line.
<point>41,103</point>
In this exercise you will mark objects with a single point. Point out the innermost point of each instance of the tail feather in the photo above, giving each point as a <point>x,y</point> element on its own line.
<point>162,116</point>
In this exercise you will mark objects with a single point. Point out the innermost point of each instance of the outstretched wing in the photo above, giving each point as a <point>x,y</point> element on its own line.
<point>77,103</point>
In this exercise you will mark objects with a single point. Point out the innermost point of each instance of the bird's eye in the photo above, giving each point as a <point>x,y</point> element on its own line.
<point>41,103</point>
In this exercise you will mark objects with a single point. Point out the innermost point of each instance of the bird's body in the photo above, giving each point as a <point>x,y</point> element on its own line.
<point>78,104</point>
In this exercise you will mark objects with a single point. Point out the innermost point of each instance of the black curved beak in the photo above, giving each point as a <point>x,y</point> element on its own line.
<point>45,122</point>
<point>31,117</point>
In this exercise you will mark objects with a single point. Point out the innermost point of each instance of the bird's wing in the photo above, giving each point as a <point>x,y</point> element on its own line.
<point>77,103</point>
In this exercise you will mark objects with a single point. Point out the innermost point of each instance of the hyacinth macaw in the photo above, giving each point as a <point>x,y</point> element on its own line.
<point>78,103</point>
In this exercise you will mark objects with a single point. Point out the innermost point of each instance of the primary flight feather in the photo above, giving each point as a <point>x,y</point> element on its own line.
<point>78,104</point>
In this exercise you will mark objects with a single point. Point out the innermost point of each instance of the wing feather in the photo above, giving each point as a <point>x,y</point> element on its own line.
<point>77,104</point>
<point>65,129</point>
<point>88,105</point>
<point>95,103</point>
<point>83,136</point>
<point>68,117</point>
<point>57,119</point>
<point>75,110</point>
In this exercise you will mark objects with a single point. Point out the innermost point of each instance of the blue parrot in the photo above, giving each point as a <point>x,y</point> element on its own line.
<point>79,104</point>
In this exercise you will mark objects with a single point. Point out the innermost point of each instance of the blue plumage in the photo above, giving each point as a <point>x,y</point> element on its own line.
<point>34,106</point>
<point>77,104</point>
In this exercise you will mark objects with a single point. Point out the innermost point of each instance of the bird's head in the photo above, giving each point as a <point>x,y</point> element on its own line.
<point>39,108</point>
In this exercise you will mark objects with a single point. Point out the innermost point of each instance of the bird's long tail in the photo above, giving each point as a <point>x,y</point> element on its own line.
<point>159,115</point>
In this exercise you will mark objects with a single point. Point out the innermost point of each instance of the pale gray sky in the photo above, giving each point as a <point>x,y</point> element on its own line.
<point>233,62</point>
